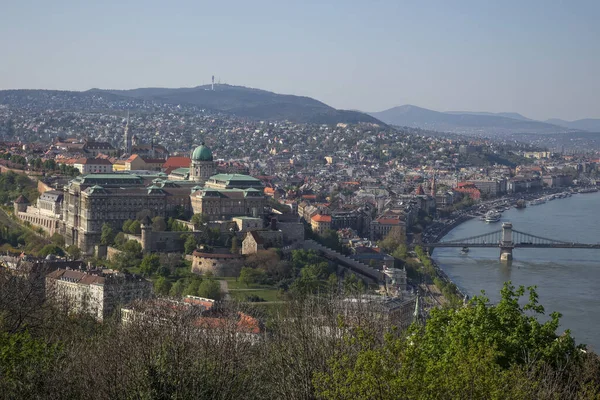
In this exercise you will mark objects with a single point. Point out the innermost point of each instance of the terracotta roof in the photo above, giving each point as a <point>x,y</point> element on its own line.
<point>321,218</point>
<point>93,161</point>
<point>173,163</point>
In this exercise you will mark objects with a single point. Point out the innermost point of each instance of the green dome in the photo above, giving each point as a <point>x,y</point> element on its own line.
<point>202,153</point>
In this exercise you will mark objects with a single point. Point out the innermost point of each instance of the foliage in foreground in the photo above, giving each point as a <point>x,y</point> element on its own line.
<point>311,349</point>
<point>478,351</point>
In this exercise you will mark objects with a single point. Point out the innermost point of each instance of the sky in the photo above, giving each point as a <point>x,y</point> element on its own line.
<point>538,58</point>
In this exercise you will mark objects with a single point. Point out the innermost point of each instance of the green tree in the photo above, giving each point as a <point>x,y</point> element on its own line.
<point>353,285</point>
<point>126,226</point>
<point>198,220</point>
<point>120,240</point>
<point>192,287</point>
<point>477,351</point>
<point>150,264</point>
<point>177,288</point>
<point>250,276</point>
<point>401,252</point>
<point>51,249</point>
<point>107,236</point>
<point>210,289</point>
<point>25,363</point>
<point>162,286</point>
<point>135,228</point>
<point>190,244</point>
<point>74,252</point>
<point>392,240</point>
<point>133,247</point>
<point>57,239</point>
<point>159,224</point>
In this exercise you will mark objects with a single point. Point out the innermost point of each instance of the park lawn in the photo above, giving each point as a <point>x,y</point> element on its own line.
<point>266,294</point>
<point>232,284</point>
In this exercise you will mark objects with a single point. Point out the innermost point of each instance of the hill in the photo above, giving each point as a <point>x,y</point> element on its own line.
<point>512,115</point>
<point>587,124</point>
<point>236,100</point>
<point>249,102</point>
<point>465,122</point>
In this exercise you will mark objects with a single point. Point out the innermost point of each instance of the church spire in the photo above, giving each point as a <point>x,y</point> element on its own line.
<point>127,137</point>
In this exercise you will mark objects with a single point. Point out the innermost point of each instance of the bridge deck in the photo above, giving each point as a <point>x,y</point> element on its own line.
<point>517,245</point>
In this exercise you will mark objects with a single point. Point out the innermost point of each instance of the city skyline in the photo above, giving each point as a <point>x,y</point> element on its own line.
<point>537,59</point>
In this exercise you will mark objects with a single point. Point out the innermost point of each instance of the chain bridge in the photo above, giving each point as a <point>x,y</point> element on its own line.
<point>507,239</point>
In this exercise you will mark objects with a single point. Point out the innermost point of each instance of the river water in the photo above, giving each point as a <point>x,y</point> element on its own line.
<point>568,280</point>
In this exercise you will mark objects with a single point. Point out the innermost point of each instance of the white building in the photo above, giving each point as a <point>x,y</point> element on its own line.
<point>97,293</point>
<point>93,166</point>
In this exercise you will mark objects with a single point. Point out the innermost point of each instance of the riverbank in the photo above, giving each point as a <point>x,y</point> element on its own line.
<point>567,279</point>
<point>441,228</point>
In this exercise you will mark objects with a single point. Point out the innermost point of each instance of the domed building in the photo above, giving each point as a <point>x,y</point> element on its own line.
<point>202,166</point>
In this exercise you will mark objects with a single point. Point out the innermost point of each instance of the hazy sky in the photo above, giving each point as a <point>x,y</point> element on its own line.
<point>539,58</point>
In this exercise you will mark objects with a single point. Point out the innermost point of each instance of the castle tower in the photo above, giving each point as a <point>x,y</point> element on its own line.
<point>21,204</point>
<point>146,226</point>
<point>127,137</point>
<point>202,166</point>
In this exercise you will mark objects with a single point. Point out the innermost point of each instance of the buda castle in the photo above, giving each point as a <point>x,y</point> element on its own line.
<point>87,202</point>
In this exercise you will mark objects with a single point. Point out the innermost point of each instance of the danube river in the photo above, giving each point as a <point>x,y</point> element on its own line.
<point>568,280</point>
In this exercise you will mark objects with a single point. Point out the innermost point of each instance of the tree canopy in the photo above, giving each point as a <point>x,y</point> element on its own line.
<point>476,351</point>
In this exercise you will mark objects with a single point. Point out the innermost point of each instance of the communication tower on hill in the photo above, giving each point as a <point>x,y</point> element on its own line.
<point>213,83</point>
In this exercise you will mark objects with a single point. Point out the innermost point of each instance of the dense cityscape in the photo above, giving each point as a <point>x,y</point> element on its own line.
<point>225,222</point>
<point>299,200</point>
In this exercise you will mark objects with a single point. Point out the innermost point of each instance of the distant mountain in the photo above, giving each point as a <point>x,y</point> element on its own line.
<point>512,115</point>
<point>465,122</point>
<point>236,100</point>
<point>251,103</point>
<point>587,124</point>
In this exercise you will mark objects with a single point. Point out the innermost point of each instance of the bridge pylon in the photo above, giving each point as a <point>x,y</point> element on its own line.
<point>506,243</point>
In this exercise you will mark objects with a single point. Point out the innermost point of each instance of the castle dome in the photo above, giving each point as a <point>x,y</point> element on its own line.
<point>202,153</point>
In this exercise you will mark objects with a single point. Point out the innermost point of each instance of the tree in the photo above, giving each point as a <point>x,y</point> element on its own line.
<point>51,249</point>
<point>74,252</point>
<point>107,236</point>
<point>353,285</point>
<point>135,228</point>
<point>190,244</point>
<point>392,240</point>
<point>198,220</point>
<point>25,362</point>
<point>162,286</point>
<point>250,276</point>
<point>126,226</point>
<point>57,239</point>
<point>401,252</point>
<point>177,288</point>
<point>133,247</point>
<point>150,264</point>
<point>192,287</point>
<point>210,289</point>
<point>120,240</point>
<point>477,351</point>
<point>159,224</point>
<point>330,239</point>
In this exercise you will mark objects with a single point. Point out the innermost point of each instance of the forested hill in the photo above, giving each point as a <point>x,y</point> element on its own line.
<point>235,100</point>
